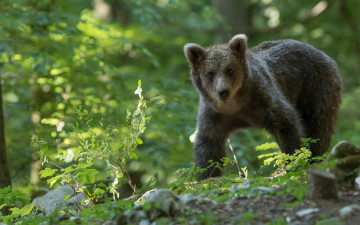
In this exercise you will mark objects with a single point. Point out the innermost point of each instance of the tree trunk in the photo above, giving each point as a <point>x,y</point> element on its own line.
<point>109,10</point>
<point>39,97</point>
<point>4,171</point>
<point>236,18</point>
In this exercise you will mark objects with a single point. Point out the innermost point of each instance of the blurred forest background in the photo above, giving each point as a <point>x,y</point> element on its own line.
<point>58,55</point>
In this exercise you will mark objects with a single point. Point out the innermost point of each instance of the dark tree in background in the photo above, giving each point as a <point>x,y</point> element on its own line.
<point>236,16</point>
<point>5,180</point>
<point>4,172</point>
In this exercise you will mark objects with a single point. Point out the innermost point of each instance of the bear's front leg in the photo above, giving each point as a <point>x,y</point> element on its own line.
<point>208,147</point>
<point>213,129</point>
<point>285,125</point>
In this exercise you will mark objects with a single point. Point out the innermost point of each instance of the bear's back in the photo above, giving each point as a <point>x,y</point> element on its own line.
<point>297,67</point>
<point>286,47</point>
<point>291,56</point>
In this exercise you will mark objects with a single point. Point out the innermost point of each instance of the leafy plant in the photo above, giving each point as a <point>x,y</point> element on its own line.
<point>296,167</point>
<point>108,211</point>
<point>13,199</point>
<point>111,145</point>
<point>296,162</point>
<point>217,187</point>
<point>291,186</point>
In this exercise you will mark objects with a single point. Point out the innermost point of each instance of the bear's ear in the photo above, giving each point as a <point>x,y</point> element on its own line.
<point>238,44</point>
<point>194,53</point>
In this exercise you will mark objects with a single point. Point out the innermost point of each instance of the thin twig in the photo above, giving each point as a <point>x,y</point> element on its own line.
<point>235,159</point>
<point>126,174</point>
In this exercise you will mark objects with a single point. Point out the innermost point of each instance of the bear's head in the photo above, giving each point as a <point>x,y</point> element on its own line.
<point>218,72</point>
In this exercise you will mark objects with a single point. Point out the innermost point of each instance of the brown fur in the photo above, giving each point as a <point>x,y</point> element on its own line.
<point>286,87</point>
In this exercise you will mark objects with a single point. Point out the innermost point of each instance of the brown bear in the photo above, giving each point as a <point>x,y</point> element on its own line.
<point>286,87</point>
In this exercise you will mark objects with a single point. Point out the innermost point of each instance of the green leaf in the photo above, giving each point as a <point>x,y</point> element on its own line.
<point>99,192</point>
<point>53,180</point>
<point>268,155</point>
<point>139,141</point>
<point>69,169</point>
<point>266,146</point>
<point>268,161</point>
<point>304,140</point>
<point>23,211</point>
<point>87,176</point>
<point>133,155</point>
<point>66,197</point>
<point>84,165</point>
<point>47,172</point>
<point>5,190</point>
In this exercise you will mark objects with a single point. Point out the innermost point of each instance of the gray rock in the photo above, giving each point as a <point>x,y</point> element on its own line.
<point>144,222</point>
<point>162,202</point>
<point>266,189</point>
<point>143,197</point>
<point>343,149</point>
<point>306,212</point>
<point>235,188</point>
<point>188,198</point>
<point>349,210</point>
<point>136,215</point>
<point>54,198</point>
<point>347,157</point>
<point>357,181</point>
<point>330,221</point>
<point>167,202</point>
<point>322,184</point>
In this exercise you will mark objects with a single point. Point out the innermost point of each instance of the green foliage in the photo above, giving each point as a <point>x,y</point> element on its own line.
<point>112,146</point>
<point>105,212</point>
<point>96,214</point>
<point>9,197</point>
<point>47,172</point>
<point>188,177</point>
<point>51,68</point>
<point>12,200</point>
<point>21,212</point>
<point>278,221</point>
<point>299,161</point>
<point>292,187</point>
<point>208,218</point>
<point>248,217</point>
<point>296,165</point>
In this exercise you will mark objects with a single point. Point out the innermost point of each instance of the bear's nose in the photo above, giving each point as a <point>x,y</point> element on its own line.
<point>223,93</point>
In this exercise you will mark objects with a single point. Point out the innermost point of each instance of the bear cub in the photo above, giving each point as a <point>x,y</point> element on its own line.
<point>286,87</point>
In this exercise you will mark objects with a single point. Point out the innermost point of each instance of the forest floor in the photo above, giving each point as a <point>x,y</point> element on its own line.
<point>276,209</point>
<point>251,204</point>
<point>222,201</point>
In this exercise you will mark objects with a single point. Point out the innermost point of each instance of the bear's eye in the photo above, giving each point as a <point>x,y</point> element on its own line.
<point>211,74</point>
<point>230,70</point>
